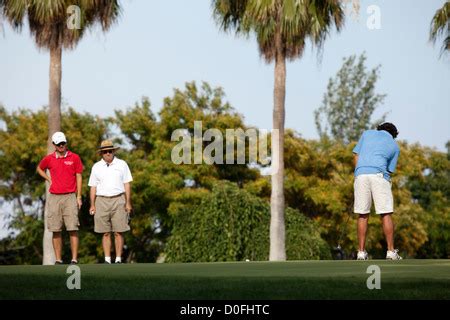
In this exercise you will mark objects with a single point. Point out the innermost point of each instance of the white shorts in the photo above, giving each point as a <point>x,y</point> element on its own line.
<point>368,186</point>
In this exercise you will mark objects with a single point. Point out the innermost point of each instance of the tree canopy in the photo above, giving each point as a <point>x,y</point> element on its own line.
<point>350,101</point>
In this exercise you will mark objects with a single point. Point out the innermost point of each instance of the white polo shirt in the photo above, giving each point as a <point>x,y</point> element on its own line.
<point>109,179</point>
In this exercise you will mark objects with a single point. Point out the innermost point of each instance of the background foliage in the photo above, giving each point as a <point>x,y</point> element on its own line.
<point>216,212</point>
<point>230,224</point>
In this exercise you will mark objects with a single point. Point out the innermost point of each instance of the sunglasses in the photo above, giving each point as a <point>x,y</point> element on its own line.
<point>60,144</point>
<point>107,151</point>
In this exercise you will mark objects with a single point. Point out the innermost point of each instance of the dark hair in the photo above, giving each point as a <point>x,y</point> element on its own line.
<point>389,127</point>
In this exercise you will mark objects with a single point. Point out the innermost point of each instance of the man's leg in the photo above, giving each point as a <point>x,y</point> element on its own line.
<point>362,204</point>
<point>118,241</point>
<point>388,228</point>
<point>363,220</point>
<point>106,241</point>
<point>57,245</point>
<point>74,244</point>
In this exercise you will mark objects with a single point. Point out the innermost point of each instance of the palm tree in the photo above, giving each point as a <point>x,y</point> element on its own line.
<point>48,24</point>
<point>281,28</point>
<point>440,26</point>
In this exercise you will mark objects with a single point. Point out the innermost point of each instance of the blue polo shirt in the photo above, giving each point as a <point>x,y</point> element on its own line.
<point>377,152</point>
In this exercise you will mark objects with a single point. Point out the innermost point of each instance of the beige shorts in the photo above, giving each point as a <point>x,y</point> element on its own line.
<point>368,186</point>
<point>62,210</point>
<point>110,215</point>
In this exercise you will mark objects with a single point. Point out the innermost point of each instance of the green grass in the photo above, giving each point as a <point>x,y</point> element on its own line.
<point>406,279</point>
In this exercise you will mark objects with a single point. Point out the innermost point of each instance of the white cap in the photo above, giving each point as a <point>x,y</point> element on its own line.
<point>58,137</point>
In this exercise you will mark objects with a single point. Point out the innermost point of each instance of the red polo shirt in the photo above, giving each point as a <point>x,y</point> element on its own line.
<point>63,171</point>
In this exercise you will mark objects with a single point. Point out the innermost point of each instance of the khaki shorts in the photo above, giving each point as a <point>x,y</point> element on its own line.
<point>368,186</point>
<point>62,210</point>
<point>110,215</point>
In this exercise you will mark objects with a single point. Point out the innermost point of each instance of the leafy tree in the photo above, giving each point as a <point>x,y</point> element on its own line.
<point>281,28</point>
<point>159,184</point>
<point>48,23</point>
<point>232,225</point>
<point>349,102</point>
<point>206,105</point>
<point>21,148</point>
<point>319,182</point>
<point>431,189</point>
<point>26,247</point>
<point>22,144</point>
<point>440,26</point>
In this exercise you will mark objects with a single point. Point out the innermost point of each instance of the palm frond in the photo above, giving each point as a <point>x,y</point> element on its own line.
<point>104,12</point>
<point>229,14</point>
<point>295,20</point>
<point>440,21</point>
<point>440,26</point>
<point>14,12</point>
<point>47,19</point>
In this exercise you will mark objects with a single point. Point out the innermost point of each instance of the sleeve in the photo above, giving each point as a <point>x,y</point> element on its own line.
<point>393,162</point>
<point>78,165</point>
<point>44,163</point>
<point>357,148</point>
<point>127,174</point>
<point>93,179</point>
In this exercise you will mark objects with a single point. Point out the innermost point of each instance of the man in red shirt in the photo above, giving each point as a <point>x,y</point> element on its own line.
<point>64,199</point>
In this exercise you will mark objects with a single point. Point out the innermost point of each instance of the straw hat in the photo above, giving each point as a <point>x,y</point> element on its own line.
<point>107,145</point>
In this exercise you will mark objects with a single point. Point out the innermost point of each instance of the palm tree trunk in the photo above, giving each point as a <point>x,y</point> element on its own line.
<point>54,124</point>
<point>277,225</point>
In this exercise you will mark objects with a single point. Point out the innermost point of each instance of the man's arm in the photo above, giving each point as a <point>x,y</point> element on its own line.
<point>355,159</point>
<point>128,206</point>
<point>393,162</point>
<point>79,185</point>
<point>357,149</point>
<point>92,195</point>
<point>43,174</point>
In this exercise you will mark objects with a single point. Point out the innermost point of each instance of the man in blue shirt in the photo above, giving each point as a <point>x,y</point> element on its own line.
<point>376,156</point>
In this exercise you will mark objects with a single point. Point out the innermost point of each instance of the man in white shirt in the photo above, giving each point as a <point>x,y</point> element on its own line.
<point>110,198</point>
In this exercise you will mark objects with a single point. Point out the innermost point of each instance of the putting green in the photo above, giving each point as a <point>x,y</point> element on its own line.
<point>406,279</point>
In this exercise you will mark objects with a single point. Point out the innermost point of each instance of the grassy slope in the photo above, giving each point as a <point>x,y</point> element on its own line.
<point>407,279</point>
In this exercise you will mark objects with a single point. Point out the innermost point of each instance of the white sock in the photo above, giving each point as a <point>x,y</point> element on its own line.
<point>108,259</point>
<point>118,259</point>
